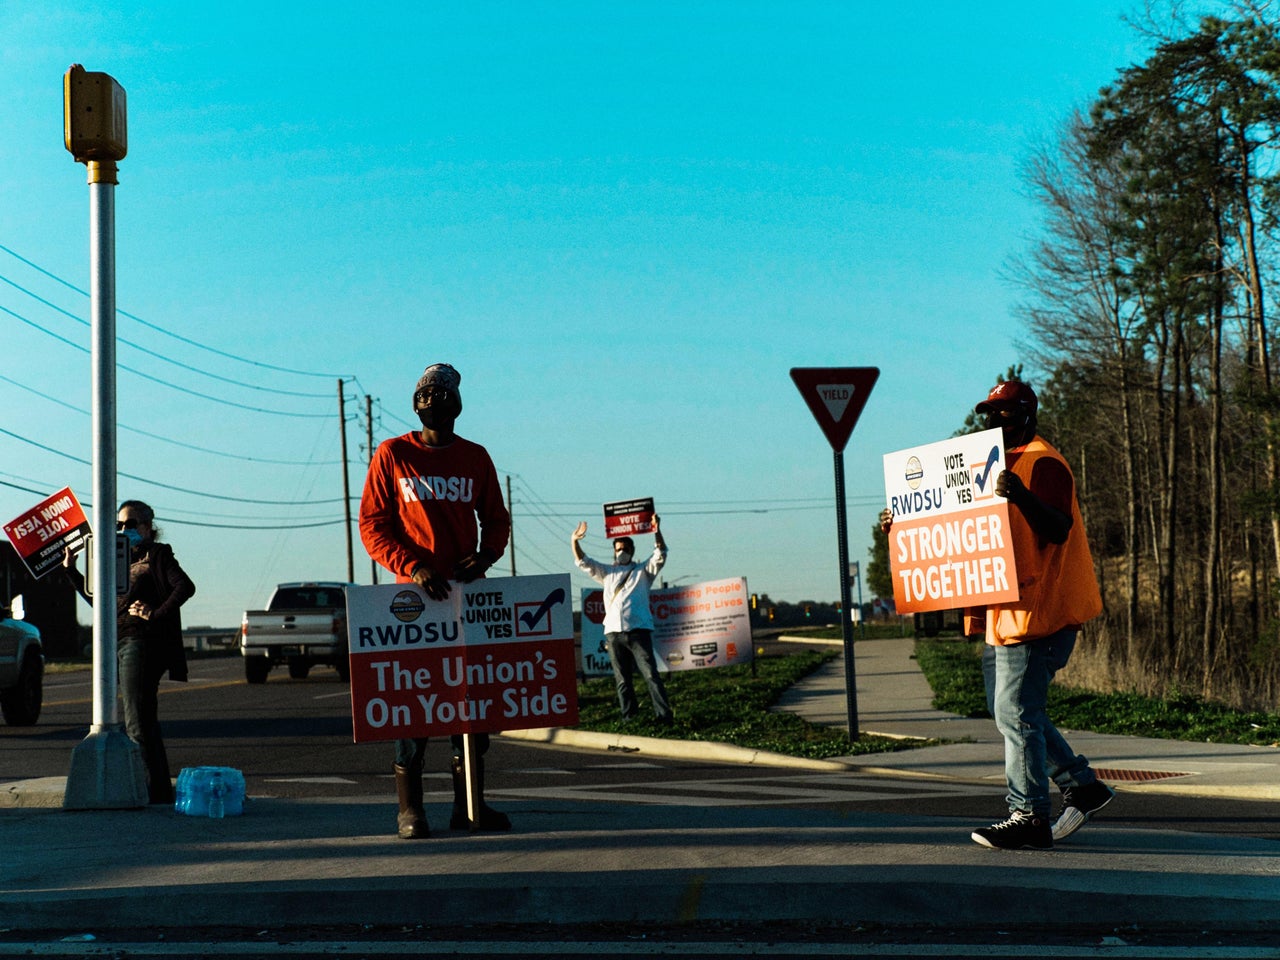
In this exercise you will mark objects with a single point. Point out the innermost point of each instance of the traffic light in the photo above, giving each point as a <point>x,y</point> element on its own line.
<point>807,611</point>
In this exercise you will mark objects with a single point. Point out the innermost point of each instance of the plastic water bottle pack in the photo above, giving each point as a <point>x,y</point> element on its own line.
<point>214,792</point>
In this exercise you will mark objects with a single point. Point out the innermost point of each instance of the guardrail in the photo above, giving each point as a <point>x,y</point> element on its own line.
<point>200,639</point>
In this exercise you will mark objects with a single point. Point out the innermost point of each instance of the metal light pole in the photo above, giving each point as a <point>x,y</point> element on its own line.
<point>106,771</point>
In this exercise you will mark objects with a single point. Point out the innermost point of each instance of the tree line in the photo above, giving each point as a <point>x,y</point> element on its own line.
<point>1148,299</point>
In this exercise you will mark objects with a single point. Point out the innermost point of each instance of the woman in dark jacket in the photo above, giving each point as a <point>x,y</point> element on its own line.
<point>148,637</point>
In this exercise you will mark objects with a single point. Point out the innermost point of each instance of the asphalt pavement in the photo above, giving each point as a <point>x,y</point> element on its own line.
<point>336,861</point>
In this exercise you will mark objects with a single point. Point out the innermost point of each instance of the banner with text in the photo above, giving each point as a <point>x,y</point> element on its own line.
<point>496,655</point>
<point>949,545</point>
<point>42,534</point>
<point>626,518</point>
<point>696,626</point>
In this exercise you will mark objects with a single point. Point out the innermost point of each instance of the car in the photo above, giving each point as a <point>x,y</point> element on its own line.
<point>21,667</point>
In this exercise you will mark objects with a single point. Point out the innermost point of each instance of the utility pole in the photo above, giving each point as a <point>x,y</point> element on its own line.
<point>106,771</point>
<point>346,482</point>
<point>368,432</point>
<point>512,544</point>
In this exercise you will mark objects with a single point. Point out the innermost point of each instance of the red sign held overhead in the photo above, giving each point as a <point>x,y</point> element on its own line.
<point>626,517</point>
<point>43,533</point>
<point>836,396</point>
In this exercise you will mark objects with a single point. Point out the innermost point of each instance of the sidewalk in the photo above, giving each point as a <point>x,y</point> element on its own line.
<point>894,700</point>
<point>327,862</point>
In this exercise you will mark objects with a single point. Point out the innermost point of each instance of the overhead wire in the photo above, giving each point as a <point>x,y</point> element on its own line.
<point>170,440</point>
<point>170,333</point>
<point>155,353</point>
<point>169,486</point>
<point>159,380</point>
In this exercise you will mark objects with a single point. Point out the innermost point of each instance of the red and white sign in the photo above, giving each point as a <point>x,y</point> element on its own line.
<point>626,518</point>
<point>695,626</point>
<point>949,545</point>
<point>835,396</point>
<point>42,534</point>
<point>496,655</point>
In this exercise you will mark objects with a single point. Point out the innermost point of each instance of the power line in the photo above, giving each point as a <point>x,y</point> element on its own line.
<point>172,386</point>
<point>154,353</point>
<point>171,440</point>
<point>169,333</point>
<point>169,486</point>
<point>254,526</point>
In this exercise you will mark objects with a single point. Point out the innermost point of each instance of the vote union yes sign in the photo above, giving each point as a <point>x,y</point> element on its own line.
<point>496,655</point>
<point>949,545</point>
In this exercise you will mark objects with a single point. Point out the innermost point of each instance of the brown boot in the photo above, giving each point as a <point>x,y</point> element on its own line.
<point>411,821</point>
<point>490,819</point>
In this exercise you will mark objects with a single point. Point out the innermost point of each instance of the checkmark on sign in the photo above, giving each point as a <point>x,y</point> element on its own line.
<point>530,618</point>
<point>981,477</point>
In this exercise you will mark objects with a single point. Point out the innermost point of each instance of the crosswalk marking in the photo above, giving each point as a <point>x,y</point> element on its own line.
<point>739,792</point>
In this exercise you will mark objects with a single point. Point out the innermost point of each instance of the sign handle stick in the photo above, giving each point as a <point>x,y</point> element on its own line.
<point>469,760</point>
<point>846,621</point>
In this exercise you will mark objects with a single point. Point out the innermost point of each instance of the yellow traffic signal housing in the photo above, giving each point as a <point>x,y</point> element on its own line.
<point>93,115</point>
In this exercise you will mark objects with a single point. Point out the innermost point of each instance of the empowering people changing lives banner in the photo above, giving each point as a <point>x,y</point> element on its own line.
<point>496,655</point>
<point>949,545</point>
<point>695,626</point>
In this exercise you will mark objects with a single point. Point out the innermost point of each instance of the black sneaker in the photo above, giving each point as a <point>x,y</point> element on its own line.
<point>1078,805</point>
<point>1022,831</point>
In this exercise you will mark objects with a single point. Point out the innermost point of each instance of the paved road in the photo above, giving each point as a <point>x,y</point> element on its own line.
<point>660,836</point>
<point>292,739</point>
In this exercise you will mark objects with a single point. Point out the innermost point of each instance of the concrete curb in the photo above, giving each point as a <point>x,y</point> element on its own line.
<point>671,749</point>
<point>44,792</point>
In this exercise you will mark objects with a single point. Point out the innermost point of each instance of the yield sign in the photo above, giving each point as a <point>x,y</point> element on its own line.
<point>836,396</point>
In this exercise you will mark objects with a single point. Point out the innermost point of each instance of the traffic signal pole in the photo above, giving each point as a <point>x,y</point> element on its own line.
<point>106,770</point>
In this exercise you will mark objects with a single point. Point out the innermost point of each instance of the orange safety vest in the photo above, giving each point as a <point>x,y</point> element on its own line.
<point>1057,587</point>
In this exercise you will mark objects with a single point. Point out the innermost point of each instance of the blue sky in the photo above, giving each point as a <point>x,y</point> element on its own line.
<point>623,223</point>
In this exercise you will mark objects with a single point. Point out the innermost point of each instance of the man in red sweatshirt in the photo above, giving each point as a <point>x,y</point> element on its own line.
<point>423,496</point>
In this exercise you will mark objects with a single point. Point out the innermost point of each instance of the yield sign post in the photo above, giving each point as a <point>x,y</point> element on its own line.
<point>836,396</point>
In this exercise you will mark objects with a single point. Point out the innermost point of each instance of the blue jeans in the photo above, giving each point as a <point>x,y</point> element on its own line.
<point>631,651</point>
<point>1017,679</point>
<point>410,750</point>
<point>139,675</point>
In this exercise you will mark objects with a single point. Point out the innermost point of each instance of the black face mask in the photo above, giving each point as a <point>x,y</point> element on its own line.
<point>438,412</point>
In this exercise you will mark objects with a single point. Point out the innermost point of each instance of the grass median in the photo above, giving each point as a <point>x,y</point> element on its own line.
<point>953,667</point>
<point>732,705</point>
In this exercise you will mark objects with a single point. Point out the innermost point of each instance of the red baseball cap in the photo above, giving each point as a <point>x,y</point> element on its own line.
<point>1009,393</point>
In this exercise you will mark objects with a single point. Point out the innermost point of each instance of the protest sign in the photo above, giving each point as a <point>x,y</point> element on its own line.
<point>42,534</point>
<point>626,518</point>
<point>496,655</point>
<point>949,545</point>
<point>695,626</point>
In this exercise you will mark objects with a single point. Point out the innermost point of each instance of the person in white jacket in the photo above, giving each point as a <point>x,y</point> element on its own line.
<point>628,622</point>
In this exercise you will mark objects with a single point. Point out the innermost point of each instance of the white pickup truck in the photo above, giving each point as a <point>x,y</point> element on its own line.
<point>304,624</point>
<point>21,667</point>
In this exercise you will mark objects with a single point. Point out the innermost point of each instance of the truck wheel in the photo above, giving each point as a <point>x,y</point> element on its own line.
<point>256,669</point>
<point>299,668</point>
<point>21,705</point>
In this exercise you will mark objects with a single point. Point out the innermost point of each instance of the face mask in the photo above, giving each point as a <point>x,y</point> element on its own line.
<point>623,557</point>
<point>440,412</point>
<point>134,538</point>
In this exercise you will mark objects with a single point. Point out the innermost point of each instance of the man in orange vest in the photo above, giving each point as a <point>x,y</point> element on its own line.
<point>1030,639</point>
